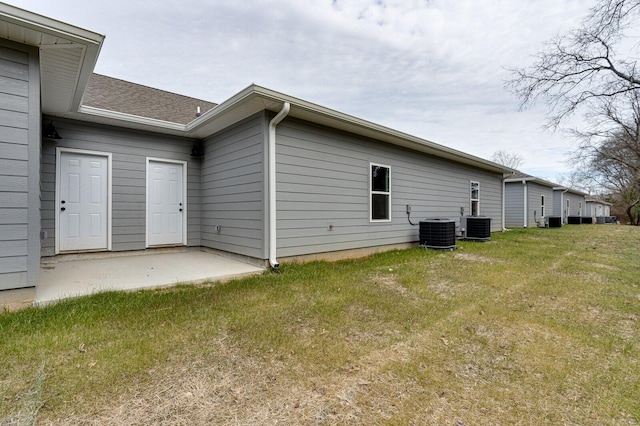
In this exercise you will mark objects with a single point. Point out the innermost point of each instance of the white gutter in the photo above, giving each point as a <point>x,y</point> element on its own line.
<point>526,202</point>
<point>272,183</point>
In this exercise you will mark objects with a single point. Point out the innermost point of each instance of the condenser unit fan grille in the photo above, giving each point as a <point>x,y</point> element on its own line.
<point>478,228</point>
<point>438,233</point>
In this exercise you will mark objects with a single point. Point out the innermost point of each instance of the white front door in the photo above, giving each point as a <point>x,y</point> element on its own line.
<point>165,203</point>
<point>83,202</point>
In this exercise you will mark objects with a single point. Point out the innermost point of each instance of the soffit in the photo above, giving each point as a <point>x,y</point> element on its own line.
<point>67,55</point>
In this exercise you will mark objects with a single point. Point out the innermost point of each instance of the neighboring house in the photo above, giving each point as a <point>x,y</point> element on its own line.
<point>568,202</point>
<point>528,200</point>
<point>597,208</point>
<point>92,163</point>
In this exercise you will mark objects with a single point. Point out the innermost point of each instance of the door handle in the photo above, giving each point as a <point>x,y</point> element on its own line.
<point>62,209</point>
<point>180,209</point>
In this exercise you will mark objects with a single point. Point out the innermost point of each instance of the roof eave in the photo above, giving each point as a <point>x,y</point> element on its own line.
<point>50,35</point>
<point>255,98</point>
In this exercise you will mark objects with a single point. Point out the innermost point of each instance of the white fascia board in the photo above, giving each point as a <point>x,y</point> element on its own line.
<point>151,123</point>
<point>46,25</point>
<point>573,191</point>
<point>532,179</point>
<point>272,100</point>
<point>520,179</point>
<point>386,134</point>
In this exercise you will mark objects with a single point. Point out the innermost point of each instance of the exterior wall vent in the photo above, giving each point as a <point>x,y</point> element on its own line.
<point>438,233</point>
<point>476,228</point>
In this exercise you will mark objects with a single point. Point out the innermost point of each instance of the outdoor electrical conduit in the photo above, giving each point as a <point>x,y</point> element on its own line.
<point>272,183</point>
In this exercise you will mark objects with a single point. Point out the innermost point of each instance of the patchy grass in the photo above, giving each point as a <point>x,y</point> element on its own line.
<point>538,326</point>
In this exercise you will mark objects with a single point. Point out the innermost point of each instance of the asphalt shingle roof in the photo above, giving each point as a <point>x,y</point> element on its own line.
<point>130,98</point>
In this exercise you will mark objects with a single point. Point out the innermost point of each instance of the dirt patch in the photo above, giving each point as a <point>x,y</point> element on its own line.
<point>473,258</point>
<point>389,282</point>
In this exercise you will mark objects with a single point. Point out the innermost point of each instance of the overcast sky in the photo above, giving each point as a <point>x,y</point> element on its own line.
<point>432,68</point>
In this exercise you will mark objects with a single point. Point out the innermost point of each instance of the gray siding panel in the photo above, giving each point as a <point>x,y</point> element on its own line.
<point>232,189</point>
<point>534,205</point>
<point>323,177</point>
<point>129,151</point>
<point>514,205</point>
<point>19,165</point>
<point>577,204</point>
<point>558,200</point>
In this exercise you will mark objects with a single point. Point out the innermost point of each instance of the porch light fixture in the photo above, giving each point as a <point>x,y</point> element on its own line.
<point>197,150</point>
<point>50,132</point>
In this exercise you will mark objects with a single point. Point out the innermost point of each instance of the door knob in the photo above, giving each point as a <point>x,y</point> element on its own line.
<point>62,209</point>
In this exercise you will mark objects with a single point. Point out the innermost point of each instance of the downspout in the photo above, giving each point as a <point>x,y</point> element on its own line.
<point>564,214</point>
<point>272,183</point>
<point>504,227</point>
<point>526,203</point>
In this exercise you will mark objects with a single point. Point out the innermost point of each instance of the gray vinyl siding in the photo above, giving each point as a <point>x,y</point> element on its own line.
<point>534,205</point>
<point>596,209</point>
<point>558,203</point>
<point>129,149</point>
<point>323,178</point>
<point>575,201</point>
<point>233,187</point>
<point>19,166</point>
<point>514,205</point>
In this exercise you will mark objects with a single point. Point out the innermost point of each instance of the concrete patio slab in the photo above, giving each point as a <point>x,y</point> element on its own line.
<point>73,278</point>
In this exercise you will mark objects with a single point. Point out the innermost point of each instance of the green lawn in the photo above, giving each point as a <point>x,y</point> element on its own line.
<point>538,326</point>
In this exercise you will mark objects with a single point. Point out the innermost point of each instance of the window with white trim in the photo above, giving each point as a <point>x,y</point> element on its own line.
<point>475,198</point>
<point>542,205</point>
<point>380,197</point>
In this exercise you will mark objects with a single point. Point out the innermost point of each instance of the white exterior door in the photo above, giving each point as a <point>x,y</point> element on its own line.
<point>165,203</point>
<point>82,202</point>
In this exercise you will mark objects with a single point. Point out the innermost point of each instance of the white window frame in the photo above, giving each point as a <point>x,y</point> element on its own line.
<point>372,193</point>
<point>472,200</point>
<point>542,206</point>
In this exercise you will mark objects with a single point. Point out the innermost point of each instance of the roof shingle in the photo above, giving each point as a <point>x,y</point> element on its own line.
<point>130,98</point>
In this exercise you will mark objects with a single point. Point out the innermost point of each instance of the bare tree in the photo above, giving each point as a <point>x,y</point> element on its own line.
<point>582,71</point>
<point>581,68</point>
<point>506,159</point>
<point>609,155</point>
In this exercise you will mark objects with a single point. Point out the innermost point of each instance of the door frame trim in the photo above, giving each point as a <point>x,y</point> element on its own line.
<point>108,155</point>
<point>148,195</point>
